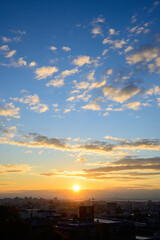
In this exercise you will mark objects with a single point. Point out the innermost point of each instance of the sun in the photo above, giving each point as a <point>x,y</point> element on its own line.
<point>76,188</point>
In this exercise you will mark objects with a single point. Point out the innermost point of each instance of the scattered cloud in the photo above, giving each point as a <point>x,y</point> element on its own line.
<point>143,54</point>
<point>14,168</point>
<point>128,49</point>
<point>120,94</point>
<point>9,110</point>
<point>33,102</point>
<point>132,105</point>
<point>97,31</point>
<point>53,48</point>
<point>44,72</point>
<point>5,40</point>
<point>4,48</point>
<point>81,60</point>
<point>66,49</point>
<point>55,83</point>
<point>33,64</point>
<point>115,43</point>
<point>10,54</point>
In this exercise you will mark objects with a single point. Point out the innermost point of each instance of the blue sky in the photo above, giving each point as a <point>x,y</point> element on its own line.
<point>80,94</point>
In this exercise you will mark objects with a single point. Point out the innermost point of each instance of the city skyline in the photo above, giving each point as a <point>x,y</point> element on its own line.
<point>80,96</point>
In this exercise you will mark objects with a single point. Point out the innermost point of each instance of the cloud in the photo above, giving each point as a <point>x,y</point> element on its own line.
<point>55,83</point>
<point>81,160</point>
<point>21,62</point>
<point>128,49</point>
<point>114,138</point>
<point>97,30</point>
<point>10,54</point>
<point>58,81</point>
<point>9,110</point>
<point>33,102</point>
<point>81,85</point>
<point>132,105</point>
<point>4,39</point>
<point>93,105</point>
<point>98,20</point>
<point>4,48</point>
<point>70,99</point>
<point>32,64</point>
<point>121,147</point>
<point>121,94</point>
<point>66,49</point>
<point>14,168</point>
<point>8,131</point>
<point>68,72</point>
<point>55,105</point>
<point>109,71</point>
<point>21,32</point>
<point>143,54</point>
<point>53,48</point>
<point>90,76</point>
<point>153,91</point>
<point>113,32</point>
<point>104,52</point>
<point>157,62</point>
<point>45,72</point>
<point>81,60</point>
<point>115,43</point>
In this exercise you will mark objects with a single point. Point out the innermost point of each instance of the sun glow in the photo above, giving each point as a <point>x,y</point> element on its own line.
<point>76,188</point>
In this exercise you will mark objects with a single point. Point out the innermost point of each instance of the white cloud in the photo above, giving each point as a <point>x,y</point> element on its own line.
<point>14,168</point>
<point>53,48</point>
<point>121,94</point>
<point>55,105</point>
<point>109,71</point>
<point>4,39</point>
<point>45,72</point>
<point>97,85</point>
<point>33,102</point>
<point>151,67</point>
<point>97,30</point>
<point>4,48</point>
<point>21,62</point>
<point>32,64</point>
<point>104,52</point>
<point>56,83</point>
<point>157,62</point>
<point>66,49</point>
<point>9,110</point>
<point>132,105</point>
<point>90,76</point>
<point>81,60</point>
<point>81,85</point>
<point>115,43</point>
<point>112,31</point>
<point>10,54</point>
<point>92,106</point>
<point>145,54</point>
<point>129,48</point>
<point>70,99</point>
<point>68,72</point>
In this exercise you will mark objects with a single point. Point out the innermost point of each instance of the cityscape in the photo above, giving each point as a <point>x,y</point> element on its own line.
<point>79,120</point>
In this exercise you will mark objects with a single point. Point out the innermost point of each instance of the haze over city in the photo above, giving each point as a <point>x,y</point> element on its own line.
<point>80,99</point>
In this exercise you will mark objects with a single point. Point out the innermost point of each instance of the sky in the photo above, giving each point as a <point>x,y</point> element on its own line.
<point>80,95</point>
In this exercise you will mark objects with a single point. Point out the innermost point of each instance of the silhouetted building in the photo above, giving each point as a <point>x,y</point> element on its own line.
<point>101,229</point>
<point>86,213</point>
